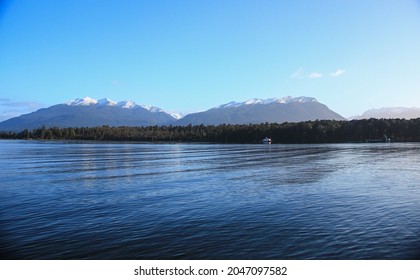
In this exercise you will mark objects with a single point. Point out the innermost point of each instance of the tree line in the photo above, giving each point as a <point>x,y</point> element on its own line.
<point>319,131</point>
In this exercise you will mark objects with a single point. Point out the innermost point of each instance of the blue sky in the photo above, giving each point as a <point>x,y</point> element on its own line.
<point>189,56</point>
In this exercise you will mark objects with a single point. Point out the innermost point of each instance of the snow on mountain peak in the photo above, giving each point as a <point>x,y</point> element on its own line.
<point>229,105</point>
<point>106,102</point>
<point>176,115</point>
<point>304,99</point>
<point>283,100</point>
<point>86,101</point>
<point>127,104</point>
<point>253,101</point>
<point>152,109</point>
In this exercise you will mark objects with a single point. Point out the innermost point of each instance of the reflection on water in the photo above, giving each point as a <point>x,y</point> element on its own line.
<point>196,201</point>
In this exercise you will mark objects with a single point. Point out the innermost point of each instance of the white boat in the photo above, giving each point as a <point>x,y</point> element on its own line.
<point>266,140</point>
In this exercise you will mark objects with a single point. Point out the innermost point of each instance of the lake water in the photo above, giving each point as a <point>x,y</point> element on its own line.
<point>205,201</point>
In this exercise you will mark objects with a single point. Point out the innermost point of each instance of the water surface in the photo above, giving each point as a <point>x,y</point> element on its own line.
<point>92,200</point>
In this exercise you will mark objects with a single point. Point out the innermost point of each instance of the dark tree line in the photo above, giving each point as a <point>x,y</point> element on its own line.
<point>320,131</point>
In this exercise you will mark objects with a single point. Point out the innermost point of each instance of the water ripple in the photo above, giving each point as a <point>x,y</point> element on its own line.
<point>195,201</point>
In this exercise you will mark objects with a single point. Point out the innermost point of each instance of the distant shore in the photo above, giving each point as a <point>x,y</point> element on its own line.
<point>319,131</point>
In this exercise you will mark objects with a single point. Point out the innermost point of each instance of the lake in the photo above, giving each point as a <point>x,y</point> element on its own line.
<point>90,200</point>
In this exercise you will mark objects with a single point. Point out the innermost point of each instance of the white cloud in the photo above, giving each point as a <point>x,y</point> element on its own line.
<point>315,75</point>
<point>337,73</point>
<point>298,74</point>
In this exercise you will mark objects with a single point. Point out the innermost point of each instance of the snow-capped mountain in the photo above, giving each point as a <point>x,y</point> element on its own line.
<point>89,112</point>
<point>285,109</point>
<point>391,113</point>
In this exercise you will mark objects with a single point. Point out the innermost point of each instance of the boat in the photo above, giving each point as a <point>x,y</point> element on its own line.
<point>266,140</point>
<point>384,139</point>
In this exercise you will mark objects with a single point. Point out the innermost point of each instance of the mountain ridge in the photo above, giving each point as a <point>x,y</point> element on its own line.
<point>390,113</point>
<point>254,101</point>
<point>285,109</point>
<point>89,112</point>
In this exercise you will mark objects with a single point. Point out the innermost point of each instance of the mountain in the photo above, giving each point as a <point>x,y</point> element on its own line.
<point>89,112</point>
<point>391,113</point>
<point>286,109</point>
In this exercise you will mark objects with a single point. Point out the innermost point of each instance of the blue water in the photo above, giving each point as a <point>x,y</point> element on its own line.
<point>92,200</point>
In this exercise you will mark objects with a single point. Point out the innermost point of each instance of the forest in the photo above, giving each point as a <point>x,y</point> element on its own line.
<point>319,131</point>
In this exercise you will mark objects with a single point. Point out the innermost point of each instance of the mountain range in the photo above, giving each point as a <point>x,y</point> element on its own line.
<point>391,113</point>
<point>89,112</point>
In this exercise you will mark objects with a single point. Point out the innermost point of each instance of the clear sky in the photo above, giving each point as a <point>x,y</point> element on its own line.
<point>189,56</point>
